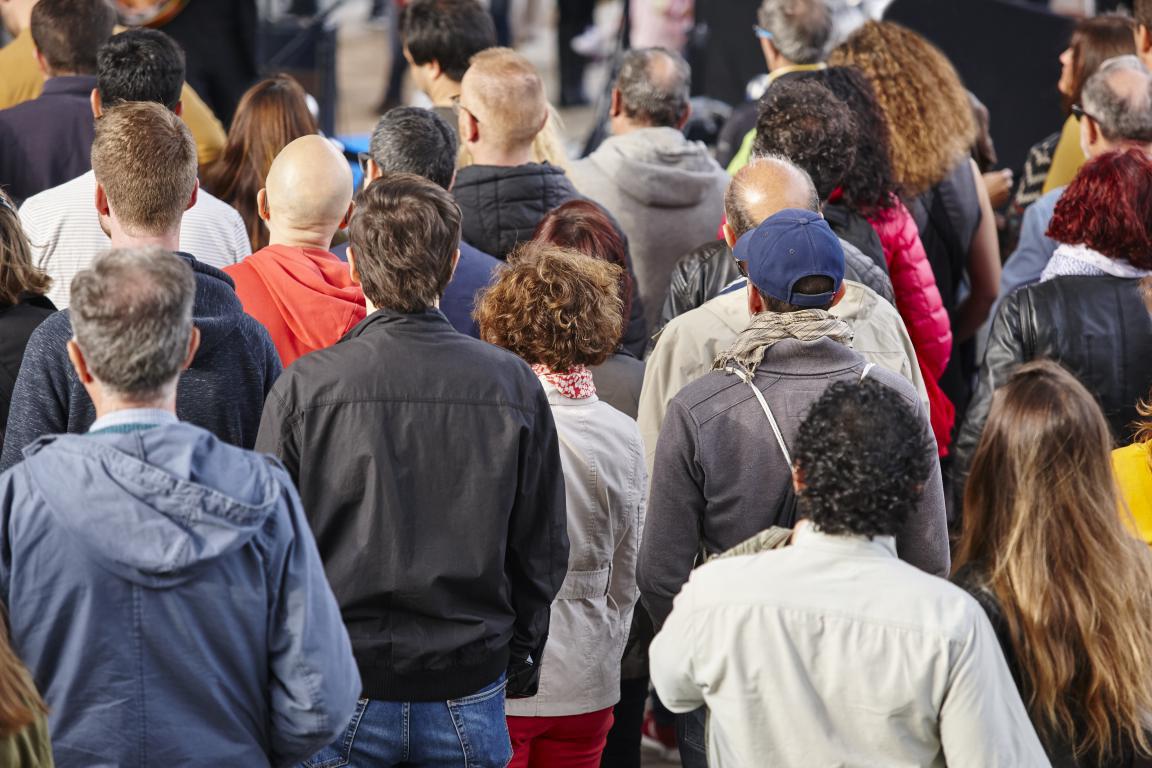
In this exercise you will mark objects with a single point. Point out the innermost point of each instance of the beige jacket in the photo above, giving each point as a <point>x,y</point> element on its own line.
<point>689,343</point>
<point>606,488</point>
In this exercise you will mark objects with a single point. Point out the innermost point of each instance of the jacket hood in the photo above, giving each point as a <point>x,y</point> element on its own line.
<point>659,167</point>
<point>216,310</point>
<point>311,289</point>
<point>157,503</point>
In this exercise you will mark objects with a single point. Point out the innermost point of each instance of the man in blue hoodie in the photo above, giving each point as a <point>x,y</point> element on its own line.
<point>144,159</point>
<point>163,586</point>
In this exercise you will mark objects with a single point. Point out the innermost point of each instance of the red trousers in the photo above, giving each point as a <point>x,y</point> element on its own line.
<point>572,741</point>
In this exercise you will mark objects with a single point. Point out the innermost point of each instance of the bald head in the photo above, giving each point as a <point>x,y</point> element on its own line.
<point>653,88</point>
<point>504,95</point>
<point>767,185</point>
<point>1118,99</point>
<point>309,190</point>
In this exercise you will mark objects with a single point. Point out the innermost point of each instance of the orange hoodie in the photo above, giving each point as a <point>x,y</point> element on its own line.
<point>303,296</point>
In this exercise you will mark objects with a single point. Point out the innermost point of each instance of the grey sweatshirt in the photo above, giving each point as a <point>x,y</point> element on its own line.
<point>719,476</point>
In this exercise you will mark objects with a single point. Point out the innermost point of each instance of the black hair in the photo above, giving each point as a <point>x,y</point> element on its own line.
<point>868,184</point>
<point>863,457</point>
<point>417,141</point>
<point>806,123</point>
<point>67,33</point>
<point>140,65</point>
<point>449,32</point>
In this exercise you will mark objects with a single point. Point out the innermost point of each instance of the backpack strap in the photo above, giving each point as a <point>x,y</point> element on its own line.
<point>867,369</point>
<point>747,378</point>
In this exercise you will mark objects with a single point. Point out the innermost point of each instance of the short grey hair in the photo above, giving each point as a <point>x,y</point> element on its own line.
<point>132,318</point>
<point>800,29</point>
<point>650,95</point>
<point>1120,103</point>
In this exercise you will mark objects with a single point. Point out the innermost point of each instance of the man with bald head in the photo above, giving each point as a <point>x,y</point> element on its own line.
<point>666,192</point>
<point>503,195</point>
<point>295,287</point>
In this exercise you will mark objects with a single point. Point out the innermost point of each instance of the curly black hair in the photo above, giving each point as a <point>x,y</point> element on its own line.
<point>803,121</point>
<point>869,186</point>
<point>863,456</point>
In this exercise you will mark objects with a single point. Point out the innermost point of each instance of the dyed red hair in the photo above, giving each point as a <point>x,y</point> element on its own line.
<point>583,226</point>
<point>1108,207</point>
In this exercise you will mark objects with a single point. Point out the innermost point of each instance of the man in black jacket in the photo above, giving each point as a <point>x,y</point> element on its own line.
<point>429,465</point>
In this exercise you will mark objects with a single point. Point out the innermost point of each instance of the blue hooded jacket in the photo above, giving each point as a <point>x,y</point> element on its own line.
<point>167,595</point>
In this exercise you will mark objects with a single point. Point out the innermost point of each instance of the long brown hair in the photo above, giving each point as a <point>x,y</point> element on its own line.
<point>17,272</point>
<point>1043,534</point>
<point>1094,41</point>
<point>20,704</point>
<point>926,106</point>
<point>272,114</point>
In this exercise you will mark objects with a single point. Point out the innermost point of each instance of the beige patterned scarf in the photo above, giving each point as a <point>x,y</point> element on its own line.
<point>768,328</point>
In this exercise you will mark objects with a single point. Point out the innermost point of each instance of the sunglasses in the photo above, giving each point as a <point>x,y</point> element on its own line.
<point>362,158</point>
<point>1080,114</point>
<point>762,33</point>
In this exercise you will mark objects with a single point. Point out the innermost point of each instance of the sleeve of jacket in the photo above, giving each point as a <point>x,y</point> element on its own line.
<point>671,540</point>
<point>277,434</point>
<point>537,555</point>
<point>622,587</point>
<point>1034,250</point>
<point>41,395</point>
<point>683,290</point>
<point>670,657</point>
<point>923,542</point>
<point>1004,352</point>
<point>314,683</point>
<point>862,269</point>
<point>662,380</point>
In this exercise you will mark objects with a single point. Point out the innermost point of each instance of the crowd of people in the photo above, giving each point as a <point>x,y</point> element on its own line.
<point>836,453</point>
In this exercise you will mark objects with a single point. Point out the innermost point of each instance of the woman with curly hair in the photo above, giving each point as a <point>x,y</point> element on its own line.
<point>932,129</point>
<point>272,114</point>
<point>561,312</point>
<point>1076,636</point>
<point>869,188</point>
<point>1089,311</point>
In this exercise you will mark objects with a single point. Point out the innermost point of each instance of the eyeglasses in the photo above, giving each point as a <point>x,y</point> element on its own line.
<point>762,33</point>
<point>742,266</point>
<point>363,159</point>
<point>1080,114</point>
<point>457,106</point>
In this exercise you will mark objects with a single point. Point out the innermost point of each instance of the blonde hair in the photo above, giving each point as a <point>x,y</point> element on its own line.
<point>17,272</point>
<point>507,94</point>
<point>1042,534</point>
<point>925,104</point>
<point>20,703</point>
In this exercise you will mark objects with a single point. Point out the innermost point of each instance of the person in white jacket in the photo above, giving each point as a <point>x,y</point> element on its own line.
<point>561,311</point>
<point>832,651</point>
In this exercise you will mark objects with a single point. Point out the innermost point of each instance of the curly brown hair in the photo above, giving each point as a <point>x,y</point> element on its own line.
<point>923,100</point>
<point>553,307</point>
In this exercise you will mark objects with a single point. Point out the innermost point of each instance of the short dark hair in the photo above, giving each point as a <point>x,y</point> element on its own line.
<point>416,141</point>
<point>805,122</point>
<point>67,33</point>
<point>449,32</point>
<point>863,457</point>
<point>140,65</point>
<point>654,97</point>
<point>1142,12</point>
<point>813,285</point>
<point>405,232</point>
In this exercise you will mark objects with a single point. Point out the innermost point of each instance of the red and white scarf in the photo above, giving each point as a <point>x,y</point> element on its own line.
<point>576,384</point>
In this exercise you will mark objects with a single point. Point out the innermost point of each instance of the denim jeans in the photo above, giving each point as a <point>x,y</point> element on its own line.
<point>691,729</point>
<point>461,733</point>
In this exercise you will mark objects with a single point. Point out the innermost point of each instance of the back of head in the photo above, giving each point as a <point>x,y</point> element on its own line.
<point>309,186</point>
<point>507,94</point>
<point>1041,492</point>
<point>554,307</point>
<point>862,458</point>
<point>924,102</point>
<point>67,33</point>
<point>131,314</point>
<point>1108,207</point>
<point>140,65</point>
<point>654,85</point>
<point>449,32</point>
<point>18,274</point>
<point>1118,97</point>
<point>1094,41</point>
<point>145,159</point>
<point>416,141</point>
<point>405,233</point>
<point>803,121</point>
<point>800,29</point>
<point>583,226</point>
<point>766,185</point>
<point>868,185</point>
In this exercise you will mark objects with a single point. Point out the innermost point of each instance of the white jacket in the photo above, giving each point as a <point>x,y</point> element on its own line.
<point>606,488</point>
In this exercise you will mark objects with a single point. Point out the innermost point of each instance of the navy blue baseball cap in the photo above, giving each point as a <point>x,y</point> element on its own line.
<point>787,247</point>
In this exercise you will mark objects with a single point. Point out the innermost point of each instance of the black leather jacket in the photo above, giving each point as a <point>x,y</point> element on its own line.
<point>703,272</point>
<point>1099,328</point>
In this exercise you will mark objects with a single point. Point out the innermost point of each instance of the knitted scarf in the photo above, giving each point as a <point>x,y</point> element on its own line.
<point>768,328</point>
<point>576,384</point>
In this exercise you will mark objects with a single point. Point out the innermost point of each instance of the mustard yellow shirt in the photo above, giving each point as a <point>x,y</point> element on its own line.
<point>1067,158</point>
<point>21,80</point>
<point>1134,476</point>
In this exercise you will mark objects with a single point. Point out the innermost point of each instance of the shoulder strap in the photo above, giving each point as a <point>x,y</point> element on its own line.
<point>747,378</point>
<point>867,369</point>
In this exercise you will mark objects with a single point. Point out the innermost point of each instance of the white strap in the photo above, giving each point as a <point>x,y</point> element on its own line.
<point>747,379</point>
<point>867,369</point>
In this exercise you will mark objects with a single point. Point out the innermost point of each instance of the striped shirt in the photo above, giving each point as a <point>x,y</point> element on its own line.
<point>62,225</point>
